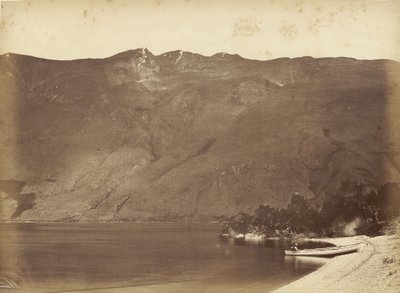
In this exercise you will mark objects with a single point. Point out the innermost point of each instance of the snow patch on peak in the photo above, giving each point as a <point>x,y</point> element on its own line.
<point>143,58</point>
<point>179,57</point>
<point>278,83</point>
<point>7,55</point>
<point>220,55</point>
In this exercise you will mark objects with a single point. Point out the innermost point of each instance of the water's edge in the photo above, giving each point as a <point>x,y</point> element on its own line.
<point>46,256</point>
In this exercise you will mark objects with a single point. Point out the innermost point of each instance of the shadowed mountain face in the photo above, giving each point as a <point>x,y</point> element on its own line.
<point>182,136</point>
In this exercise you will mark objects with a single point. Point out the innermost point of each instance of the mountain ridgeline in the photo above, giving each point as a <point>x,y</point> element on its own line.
<point>181,136</point>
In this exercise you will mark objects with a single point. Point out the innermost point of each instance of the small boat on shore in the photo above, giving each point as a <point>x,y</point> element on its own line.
<point>325,251</point>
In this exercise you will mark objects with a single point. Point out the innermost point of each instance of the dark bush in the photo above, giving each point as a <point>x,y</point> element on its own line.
<point>353,208</point>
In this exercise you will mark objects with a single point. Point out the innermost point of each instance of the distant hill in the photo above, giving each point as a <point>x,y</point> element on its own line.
<point>180,136</point>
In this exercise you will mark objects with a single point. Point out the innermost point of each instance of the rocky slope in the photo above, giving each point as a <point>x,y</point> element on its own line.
<point>182,136</point>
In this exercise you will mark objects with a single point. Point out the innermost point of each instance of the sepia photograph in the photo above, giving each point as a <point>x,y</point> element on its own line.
<point>200,146</point>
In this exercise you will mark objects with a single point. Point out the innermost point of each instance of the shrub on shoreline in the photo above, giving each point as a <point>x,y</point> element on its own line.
<point>393,228</point>
<point>353,209</point>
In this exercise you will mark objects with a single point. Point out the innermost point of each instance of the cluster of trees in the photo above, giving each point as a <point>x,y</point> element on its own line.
<point>353,209</point>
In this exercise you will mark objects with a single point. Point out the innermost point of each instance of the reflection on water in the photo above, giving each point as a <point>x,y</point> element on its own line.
<point>304,261</point>
<point>57,257</point>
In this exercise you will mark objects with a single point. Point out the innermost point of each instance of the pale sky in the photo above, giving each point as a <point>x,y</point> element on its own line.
<point>258,29</point>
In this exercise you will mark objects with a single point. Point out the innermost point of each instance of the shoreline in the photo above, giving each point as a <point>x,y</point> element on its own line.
<point>376,268</point>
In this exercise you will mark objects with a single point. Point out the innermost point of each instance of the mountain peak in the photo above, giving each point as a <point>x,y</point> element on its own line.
<point>139,52</point>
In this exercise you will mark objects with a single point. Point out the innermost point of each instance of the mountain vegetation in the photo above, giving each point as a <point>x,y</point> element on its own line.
<point>352,210</point>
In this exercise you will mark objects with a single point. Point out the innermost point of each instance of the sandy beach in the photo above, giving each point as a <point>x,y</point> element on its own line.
<point>376,268</point>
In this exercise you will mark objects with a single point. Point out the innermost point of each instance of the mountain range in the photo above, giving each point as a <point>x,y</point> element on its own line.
<point>181,136</point>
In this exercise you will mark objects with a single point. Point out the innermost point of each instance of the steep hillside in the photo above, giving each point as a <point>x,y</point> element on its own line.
<point>182,136</point>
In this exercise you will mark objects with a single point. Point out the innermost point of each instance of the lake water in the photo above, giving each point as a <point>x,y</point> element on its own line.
<point>66,257</point>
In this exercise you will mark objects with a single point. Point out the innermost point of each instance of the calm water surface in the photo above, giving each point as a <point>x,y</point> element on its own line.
<point>66,257</point>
